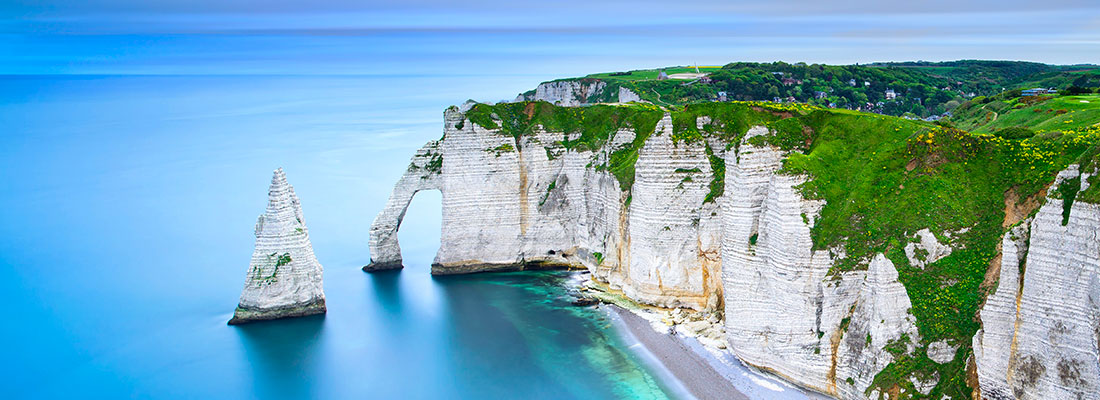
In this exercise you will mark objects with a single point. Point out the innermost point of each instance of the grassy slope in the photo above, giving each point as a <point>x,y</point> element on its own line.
<point>1057,113</point>
<point>883,179</point>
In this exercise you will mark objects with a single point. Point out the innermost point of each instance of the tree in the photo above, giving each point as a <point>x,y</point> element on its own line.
<point>1075,90</point>
<point>772,91</point>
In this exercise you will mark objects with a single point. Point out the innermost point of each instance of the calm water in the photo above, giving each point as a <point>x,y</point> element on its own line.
<point>128,204</point>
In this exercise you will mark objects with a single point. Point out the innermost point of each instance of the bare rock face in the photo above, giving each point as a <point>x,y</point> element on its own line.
<point>880,316</point>
<point>926,251</point>
<point>942,352</point>
<point>284,278</point>
<point>1040,336</point>
<point>568,93</point>
<point>626,96</point>
<point>675,235</point>
<point>506,203</point>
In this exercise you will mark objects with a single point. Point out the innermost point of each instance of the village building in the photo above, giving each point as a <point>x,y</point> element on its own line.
<point>1037,92</point>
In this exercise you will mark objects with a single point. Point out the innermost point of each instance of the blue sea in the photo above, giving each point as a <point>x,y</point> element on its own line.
<point>133,167</point>
<point>128,206</point>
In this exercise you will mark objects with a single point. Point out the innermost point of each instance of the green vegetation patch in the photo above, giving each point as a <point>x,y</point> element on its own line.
<point>718,183</point>
<point>279,260</point>
<point>504,148</point>
<point>549,188</point>
<point>885,178</point>
<point>1067,191</point>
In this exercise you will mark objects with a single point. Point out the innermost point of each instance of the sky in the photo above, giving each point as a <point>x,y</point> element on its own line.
<point>568,36</point>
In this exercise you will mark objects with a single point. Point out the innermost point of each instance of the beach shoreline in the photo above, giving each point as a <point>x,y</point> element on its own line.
<point>688,367</point>
<point>701,367</point>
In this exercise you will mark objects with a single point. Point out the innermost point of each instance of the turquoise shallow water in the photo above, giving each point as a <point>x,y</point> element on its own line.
<point>127,205</point>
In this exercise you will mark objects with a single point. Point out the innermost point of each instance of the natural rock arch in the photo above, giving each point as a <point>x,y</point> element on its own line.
<point>423,174</point>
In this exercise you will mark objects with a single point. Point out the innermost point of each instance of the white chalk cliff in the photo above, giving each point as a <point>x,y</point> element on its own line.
<point>528,201</point>
<point>284,278</point>
<point>782,312</point>
<point>575,92</point>
<point>1040,336</point>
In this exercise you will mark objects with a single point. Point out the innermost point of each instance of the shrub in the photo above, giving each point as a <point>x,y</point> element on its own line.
<point>1015,133</point>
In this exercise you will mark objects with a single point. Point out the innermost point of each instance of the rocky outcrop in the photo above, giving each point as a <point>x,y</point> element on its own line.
<point>284,278</point>
<point>926,250</point>
<point>1040,336</point>
<point>880,316</point>
<point>626,96</point>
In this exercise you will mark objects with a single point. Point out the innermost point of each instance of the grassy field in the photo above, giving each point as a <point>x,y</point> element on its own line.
<point>650,74</point>
<point>1056,113</point>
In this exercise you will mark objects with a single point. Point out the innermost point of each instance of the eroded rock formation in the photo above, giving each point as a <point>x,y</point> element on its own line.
<point>422,174</point>
<point>1040,336</point>
<point>284,278</point>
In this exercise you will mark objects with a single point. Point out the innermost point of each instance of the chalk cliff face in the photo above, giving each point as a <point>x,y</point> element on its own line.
<point>1040,336</point>
<point>783,312</point>
<point>710,219</point>
<point>626,96</point>
<point>573,93</point>
<point>284,278</point>
<point>523,203</point>
<point>569,93</point>
<point>674,234</point>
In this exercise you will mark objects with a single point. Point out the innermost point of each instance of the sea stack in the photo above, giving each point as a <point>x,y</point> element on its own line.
<point>284,277</point>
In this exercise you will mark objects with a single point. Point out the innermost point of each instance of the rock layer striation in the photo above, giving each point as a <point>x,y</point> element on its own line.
<point>284,277</point>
